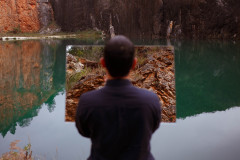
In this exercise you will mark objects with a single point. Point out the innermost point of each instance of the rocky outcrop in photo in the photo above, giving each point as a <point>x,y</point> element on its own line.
<point>155,71</point>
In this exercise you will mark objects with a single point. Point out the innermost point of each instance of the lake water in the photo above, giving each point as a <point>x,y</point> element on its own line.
<point>32,102</point>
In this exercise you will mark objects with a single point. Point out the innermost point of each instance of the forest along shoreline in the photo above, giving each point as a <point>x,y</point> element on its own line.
<point>155,71</point>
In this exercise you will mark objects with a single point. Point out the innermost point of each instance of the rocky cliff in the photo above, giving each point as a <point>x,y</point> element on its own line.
<point>24,15</point>
<point>128,17</point>
<point>151,18</point>
<point>203,18</point>
<point>138,19</point>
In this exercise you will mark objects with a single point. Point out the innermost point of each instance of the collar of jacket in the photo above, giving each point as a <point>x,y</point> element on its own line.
<point>118,82</point>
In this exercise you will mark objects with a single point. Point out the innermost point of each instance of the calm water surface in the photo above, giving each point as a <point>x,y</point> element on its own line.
<point>32,102</point>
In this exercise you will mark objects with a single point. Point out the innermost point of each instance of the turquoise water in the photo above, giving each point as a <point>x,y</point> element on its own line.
<point>207,77</point>
<point>208,102</point>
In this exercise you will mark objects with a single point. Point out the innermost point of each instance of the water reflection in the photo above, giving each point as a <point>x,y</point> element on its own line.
<point>207,136</point>
<point>207,77</point>
<point>29,75</point>
<point>32,78</point>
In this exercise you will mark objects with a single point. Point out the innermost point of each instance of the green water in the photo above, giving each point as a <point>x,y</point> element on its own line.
<point>32,102</point>
<point>207,77</point>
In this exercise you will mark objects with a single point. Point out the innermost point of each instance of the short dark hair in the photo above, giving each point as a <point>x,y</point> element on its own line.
<point>119,55</point>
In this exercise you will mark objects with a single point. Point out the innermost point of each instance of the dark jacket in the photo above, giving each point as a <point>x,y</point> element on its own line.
<point>120,119</point>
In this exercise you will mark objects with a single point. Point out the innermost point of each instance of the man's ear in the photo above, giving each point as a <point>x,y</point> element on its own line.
<point>102,61</point>
<point>134,63</point>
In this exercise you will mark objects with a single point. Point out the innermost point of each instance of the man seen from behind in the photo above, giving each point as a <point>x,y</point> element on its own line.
<point>119,118</point>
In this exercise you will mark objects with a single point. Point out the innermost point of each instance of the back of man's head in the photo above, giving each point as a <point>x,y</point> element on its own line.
<point>119,55</point>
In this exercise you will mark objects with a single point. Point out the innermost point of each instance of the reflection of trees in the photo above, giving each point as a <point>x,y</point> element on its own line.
<point>24,122</point>
<point>27,81</point>
<point>51,104</point>
<point>207,77</point>
<point>12,129</point>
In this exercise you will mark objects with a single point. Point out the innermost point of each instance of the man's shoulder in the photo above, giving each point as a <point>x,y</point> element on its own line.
<point>91,94</point>
<point>146,94</point>
<point>139,92</point>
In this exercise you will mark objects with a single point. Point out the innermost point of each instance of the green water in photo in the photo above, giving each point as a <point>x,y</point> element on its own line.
<point>32,101</point>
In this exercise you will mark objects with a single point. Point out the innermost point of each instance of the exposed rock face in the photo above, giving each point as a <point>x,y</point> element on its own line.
<point>145,19</point>
<point>203,18</point>
<point>72,64</point>
<point>24,15</point>
<point>128,17</point>
<point>45,13</point>
<point>150,18</point>
<point>155,73</point>
<point>86,84</point>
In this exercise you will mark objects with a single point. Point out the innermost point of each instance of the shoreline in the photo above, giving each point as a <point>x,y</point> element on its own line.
<point>83,34</point>
<point>60,35</point>
<point>13,38</point>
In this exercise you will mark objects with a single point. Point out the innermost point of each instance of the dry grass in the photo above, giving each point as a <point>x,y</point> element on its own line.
<point>72,79</point>
<point>17,153</point>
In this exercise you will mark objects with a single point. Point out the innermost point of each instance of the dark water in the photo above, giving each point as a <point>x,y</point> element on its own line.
<point>32,102</point>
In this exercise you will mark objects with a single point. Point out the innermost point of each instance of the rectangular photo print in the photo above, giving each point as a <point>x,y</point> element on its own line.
<point>155,71</point>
